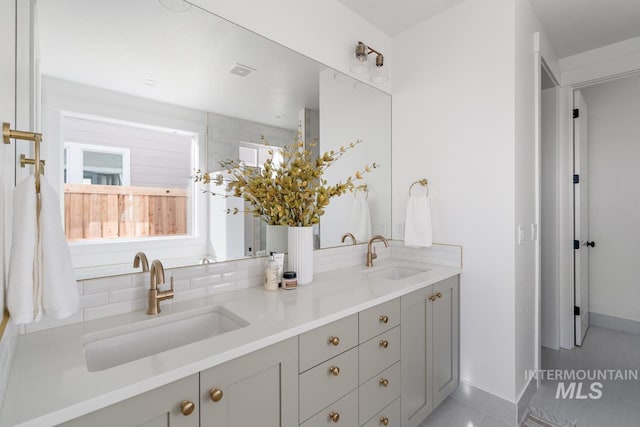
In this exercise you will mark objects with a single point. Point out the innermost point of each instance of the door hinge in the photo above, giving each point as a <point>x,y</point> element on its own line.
<point>576,244</point>
<point>576,310</point>
<point>576,179</point>
<point>576,113</point>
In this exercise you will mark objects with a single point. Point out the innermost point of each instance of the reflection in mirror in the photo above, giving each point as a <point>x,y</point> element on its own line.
<point>135,96</point>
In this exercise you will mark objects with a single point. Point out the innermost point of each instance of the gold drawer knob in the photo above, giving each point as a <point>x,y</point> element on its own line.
<point>334,416</point>
<point>334,340</point>
<point>384,421</point>
<point>187,407</point>
<point>384,319</point>
<point>216,394</point>
<point>384,382</point>
<point>334,370</point>
<point>431,298</point>
<point>439,295</point>
<point>384,343</point>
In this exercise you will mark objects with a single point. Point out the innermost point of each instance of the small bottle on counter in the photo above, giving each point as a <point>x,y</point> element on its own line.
<point>271,275</point>
<point>289,280</point>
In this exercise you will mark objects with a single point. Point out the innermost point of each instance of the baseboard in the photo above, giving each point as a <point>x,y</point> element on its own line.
<point>525,399</point>
<point>491,404</point>
<point>616,323</point>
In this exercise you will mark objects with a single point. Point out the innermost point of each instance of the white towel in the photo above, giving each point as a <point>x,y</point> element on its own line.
<point>360,219</point>
<point>59,288</point>
<point>417,229</point>
<point>20,292</point>
<point>41,279</point>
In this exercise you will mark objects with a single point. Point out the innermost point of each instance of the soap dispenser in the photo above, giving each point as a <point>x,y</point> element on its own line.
<point>271,274</point>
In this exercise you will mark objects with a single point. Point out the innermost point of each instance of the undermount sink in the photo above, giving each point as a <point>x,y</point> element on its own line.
<point>114,347</point>
<point>398,273</point>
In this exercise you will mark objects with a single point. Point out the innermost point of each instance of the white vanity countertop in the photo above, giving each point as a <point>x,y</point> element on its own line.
<point>50,383</point>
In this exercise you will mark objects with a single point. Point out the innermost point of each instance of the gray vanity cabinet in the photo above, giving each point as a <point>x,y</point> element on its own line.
<point>161,407</point>
<point>258,389</point>
<point>430,340</point>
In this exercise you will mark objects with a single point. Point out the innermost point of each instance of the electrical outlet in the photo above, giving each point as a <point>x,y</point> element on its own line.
<point>534,232</point>
<point>520,234</point>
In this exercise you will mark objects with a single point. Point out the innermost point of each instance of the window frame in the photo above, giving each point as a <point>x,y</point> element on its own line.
<point>77,149</point>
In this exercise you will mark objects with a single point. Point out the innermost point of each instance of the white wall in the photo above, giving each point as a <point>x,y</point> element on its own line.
<point>526,184</point>
<point>453,123</point>
<point>548,226</point>
<point>326,31</point>
<point>614,150</point>
<point>349,113</point>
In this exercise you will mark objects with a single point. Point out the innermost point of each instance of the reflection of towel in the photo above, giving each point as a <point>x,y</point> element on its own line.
<point>360,219</point>
<point>59,289</point>
<point>417,229</point>
<point>41,279</point>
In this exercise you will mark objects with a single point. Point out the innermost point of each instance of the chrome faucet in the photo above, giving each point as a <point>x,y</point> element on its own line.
<point>345,236</point>
<point>155,296</point>
<point>372,255</point>
<point>140,257</point>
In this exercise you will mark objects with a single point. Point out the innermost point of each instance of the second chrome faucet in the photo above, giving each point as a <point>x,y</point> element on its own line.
<point>155,295</point>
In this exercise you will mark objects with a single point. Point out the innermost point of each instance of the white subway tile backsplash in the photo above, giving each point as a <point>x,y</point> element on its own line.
<point>8,343</point>
<point>107,284</point>
<point>190,294</point>
<point>101,311</point>
<point>221,289</point>
<point>127,294</point>
<point>91,300</point>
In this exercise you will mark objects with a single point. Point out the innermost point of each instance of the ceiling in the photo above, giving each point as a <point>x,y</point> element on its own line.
<point>575,26</point>
<point>118,44</point>
<point>395,16</point>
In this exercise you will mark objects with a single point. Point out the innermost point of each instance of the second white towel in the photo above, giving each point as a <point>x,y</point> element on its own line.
<point>418,230</point>
<point>360,219</point>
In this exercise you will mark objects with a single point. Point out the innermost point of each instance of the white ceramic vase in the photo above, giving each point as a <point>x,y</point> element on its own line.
<point>300,251</point>
<point>277,236</point>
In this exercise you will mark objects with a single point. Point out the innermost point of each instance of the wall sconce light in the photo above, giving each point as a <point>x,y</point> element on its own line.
<point>360,65</point>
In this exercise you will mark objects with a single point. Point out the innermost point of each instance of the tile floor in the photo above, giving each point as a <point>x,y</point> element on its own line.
<point>619,405</point>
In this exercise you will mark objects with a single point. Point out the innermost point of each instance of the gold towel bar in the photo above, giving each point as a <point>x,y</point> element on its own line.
<point>8,134</point>
<point>423,182</point>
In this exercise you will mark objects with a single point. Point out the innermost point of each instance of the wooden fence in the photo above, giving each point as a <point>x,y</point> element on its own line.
<point>107,211</point>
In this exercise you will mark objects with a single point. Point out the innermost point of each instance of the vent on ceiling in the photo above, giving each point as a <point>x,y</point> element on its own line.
<point>242,70</point>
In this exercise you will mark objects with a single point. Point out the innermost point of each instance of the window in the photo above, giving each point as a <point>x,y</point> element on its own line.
<point>126,181</point>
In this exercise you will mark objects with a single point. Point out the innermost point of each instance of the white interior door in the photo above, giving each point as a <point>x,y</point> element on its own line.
<point>581,218</point>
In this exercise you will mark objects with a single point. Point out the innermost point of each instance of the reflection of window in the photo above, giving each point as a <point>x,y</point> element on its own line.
<point>256,154</point>
<point>96,165</point>
<point>126,180</point>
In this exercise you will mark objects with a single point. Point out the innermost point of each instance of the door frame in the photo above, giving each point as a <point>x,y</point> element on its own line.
<point>597,66</point>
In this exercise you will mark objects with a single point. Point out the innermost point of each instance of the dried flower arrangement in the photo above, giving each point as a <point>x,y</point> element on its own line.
<point>292,192</point>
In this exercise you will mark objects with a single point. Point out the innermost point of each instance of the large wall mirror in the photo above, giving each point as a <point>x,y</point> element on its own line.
<point>134,95</point>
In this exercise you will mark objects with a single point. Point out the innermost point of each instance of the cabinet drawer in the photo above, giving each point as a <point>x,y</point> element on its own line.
<point>319,386</point>
<point>328,341</point>
<point>379,319</point>
<point>345,408</point>
<point>379,353</point>
<point>374,395</point>
<point>388,417</point>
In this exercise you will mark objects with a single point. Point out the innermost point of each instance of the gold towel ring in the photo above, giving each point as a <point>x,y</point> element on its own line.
<point>423,182</point>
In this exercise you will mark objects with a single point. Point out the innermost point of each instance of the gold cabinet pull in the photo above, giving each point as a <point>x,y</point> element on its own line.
<point>216,394</point>
<point>439,295</point>
<point>334,370</point>
<point>384,382</point>
<point>384,421</point>
<point>334,340</point>
<point>384,319</point>
<point>384,343</point>
<point>187,407</point>
<point>431,298</point>
<point>334,416</point>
